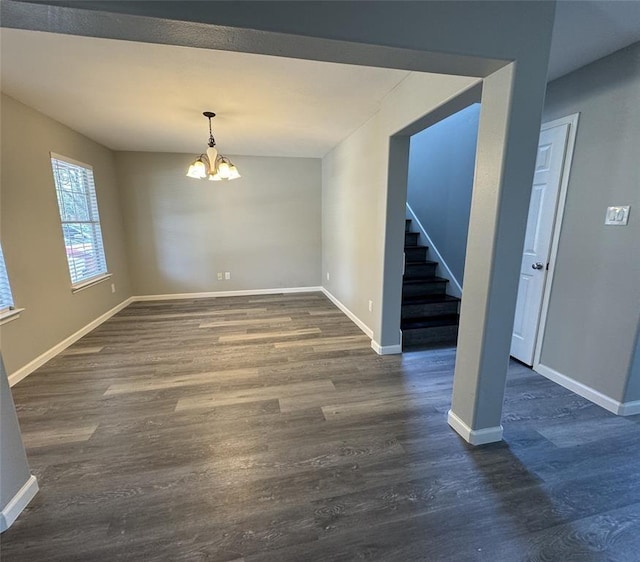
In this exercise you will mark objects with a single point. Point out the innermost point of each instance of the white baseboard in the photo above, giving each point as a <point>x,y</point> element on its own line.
<point>454,288</point>
<point>368,331</point>
<point>591,394</point>
<point>386,349</point>
<point>21,373</point>
<point>630,408</point>
<point>474,436</point>
<point>215,294</point>
<point>18,503</point>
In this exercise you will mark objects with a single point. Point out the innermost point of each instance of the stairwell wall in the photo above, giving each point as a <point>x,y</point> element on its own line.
<point>441,167</point>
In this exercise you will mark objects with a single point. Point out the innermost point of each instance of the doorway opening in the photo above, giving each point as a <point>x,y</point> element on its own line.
<point>434,159</point>
<point>439,186</point>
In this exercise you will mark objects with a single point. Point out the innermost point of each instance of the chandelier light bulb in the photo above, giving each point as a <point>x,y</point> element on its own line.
<point>197,170</point>
<point>233,173</point>
<point>224,170</point>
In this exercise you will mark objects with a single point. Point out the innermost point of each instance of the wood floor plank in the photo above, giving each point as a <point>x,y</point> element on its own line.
<point>247,322</point>
<point>275,433</point>
<point>58,436</point>
<point>248,338</point>
<point>254,394</point>
<point>586,431</point>
<point>83,350</point>
<point>196,314</point>
<point>330,341</point>
<point>376,407</point>
<point>166,382</point>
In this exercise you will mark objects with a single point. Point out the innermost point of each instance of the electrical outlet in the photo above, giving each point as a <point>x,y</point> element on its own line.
<point>370,306</point>
<point>220,276</point>
<point>113,287</point>
<point>328,276</point>
<point>227,275</point>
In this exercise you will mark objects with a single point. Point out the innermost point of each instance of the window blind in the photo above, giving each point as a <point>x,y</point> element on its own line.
<point>6,299</point>
<point>78,207</point>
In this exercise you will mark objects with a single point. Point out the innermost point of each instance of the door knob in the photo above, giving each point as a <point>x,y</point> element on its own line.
<point>537,265</point>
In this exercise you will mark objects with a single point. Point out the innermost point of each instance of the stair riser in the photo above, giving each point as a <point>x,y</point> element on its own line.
<point>421,280</point>
<point>428,309</point>
<point>414,270</point>
<point>415,254</point>
<point>417,289</point>
<point>424,336</point>
<point>411,238</point>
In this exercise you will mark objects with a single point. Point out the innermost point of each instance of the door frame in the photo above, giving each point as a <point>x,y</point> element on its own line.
<point>572,121</point>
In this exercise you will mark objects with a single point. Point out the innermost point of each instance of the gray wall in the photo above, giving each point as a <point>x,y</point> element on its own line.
<point>441,165</point>
<point>32,237</point>
<point>594,309</point>
<point>633,384</point>
<point>14,470</point>
<point>264,228</point>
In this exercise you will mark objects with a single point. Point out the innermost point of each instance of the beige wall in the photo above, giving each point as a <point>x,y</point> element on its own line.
<point>31,235</point>
<point>263,228</point>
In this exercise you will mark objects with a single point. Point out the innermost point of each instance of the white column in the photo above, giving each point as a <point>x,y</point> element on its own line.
<point>507,140</point>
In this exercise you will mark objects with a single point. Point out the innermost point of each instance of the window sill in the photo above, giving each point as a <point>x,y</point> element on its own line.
<point>10,315</point>
<point>90,283</point>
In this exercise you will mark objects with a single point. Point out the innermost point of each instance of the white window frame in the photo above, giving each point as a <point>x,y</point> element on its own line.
<point>8,311</point>
<point>93,253</point>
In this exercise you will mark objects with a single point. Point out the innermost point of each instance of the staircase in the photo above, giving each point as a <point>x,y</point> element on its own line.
<point>429,315</point>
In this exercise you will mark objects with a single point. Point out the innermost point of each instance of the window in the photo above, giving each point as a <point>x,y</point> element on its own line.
<point>6,300</point>
<point>80,221</point>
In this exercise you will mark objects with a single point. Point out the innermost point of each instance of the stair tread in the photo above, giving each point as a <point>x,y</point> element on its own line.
<point>428,299</point>
<point>420,262</point>
<point>430,322</point>
<point>418,280</point>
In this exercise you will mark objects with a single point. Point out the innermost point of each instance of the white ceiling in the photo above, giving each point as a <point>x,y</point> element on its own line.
<point>148,97</point>
<point>587,30</point>
<point>139,96</point>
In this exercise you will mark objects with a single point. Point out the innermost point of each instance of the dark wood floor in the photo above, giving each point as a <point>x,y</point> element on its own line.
<point>266,429</point>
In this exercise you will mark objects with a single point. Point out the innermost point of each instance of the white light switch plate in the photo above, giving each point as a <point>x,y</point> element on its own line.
<point>617,216</point>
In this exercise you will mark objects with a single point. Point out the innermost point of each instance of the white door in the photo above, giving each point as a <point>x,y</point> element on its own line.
<point>537,244</point>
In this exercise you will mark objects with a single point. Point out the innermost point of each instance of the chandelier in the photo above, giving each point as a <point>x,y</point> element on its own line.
<point>212,165</point>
